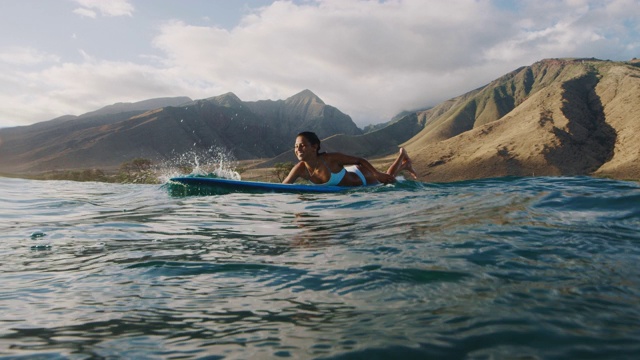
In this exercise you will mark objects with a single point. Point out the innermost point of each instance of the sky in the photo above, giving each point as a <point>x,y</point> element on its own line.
<point>370,59</point>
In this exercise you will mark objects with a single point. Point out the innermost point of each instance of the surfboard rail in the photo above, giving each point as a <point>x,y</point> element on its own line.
<point>230,185</point>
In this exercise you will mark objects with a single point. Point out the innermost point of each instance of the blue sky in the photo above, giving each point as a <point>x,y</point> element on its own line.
<point>370,59</point>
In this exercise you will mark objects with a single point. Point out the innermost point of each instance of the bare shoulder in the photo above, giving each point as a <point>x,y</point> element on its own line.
<point>300,170</point>
<point>298,167</point>
<point>296,172</point>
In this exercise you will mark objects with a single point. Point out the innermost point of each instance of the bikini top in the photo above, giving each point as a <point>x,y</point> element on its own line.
<point>335,178</point>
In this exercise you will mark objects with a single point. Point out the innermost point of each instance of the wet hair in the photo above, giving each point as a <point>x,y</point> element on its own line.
<point>312,138</point>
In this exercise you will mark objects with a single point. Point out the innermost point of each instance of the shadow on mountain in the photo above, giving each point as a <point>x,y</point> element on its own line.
<point>587,142</point>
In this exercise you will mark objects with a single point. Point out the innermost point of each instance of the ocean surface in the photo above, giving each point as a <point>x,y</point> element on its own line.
<point>503,268</point>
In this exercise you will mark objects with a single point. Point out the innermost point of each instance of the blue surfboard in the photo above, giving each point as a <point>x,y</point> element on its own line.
<point>223,186</point>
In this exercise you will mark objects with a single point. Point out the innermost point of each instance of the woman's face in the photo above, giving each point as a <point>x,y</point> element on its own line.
<point>303,148</point>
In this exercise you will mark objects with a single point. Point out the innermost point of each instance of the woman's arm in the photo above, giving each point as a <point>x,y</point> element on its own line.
<point>294,174</point>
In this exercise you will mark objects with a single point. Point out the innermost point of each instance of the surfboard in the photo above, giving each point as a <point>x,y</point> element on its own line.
<point>220,185</point>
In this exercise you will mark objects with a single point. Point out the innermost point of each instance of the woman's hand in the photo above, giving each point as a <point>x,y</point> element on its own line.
<point>385,178</point>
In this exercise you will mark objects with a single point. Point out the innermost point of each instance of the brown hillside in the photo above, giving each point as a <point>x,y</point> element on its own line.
<point>619,91</point>
<point>556,117</point>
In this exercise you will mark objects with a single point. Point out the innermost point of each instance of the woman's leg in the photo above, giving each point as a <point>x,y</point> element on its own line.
<point>402,162</point>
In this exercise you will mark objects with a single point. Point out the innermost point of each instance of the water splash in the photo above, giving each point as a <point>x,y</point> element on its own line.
<point>215,161</point>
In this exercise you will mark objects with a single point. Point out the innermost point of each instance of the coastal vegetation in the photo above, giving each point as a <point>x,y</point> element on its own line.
<point>282,169</point>
<point>136,171</point>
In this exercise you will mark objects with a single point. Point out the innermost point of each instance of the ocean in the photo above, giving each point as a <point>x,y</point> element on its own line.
<point>529,268</point>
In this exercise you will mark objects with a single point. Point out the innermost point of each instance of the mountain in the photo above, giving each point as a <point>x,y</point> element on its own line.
<point>144,105</point>
<point>555,117</point>
<point>304,112</point>
<point>396,118</point>
<point>31,148</point>
<point>106,114</point>
<point>115,134</point>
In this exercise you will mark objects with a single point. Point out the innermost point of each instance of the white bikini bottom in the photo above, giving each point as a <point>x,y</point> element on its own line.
<point>354,169</point>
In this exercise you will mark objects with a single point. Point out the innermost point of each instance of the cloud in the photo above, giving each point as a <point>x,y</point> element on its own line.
<point>106,8</point>
<point>70,88</point>
<point>371,59</point>
<point>85,12</point>
<point>364,57</point>
<point>21,56</point>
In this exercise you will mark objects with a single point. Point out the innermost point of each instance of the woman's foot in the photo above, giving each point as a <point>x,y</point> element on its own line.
<point>407,164</point>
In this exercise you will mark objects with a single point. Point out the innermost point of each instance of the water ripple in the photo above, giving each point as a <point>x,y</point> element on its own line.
<point>495,268</point>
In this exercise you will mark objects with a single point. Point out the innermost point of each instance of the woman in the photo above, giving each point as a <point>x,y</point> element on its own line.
<point>339,169</point>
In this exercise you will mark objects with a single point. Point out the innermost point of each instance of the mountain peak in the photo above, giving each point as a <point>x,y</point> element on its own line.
<point>305,96</point>
<point>145,105</point>
<point>227,100</point>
